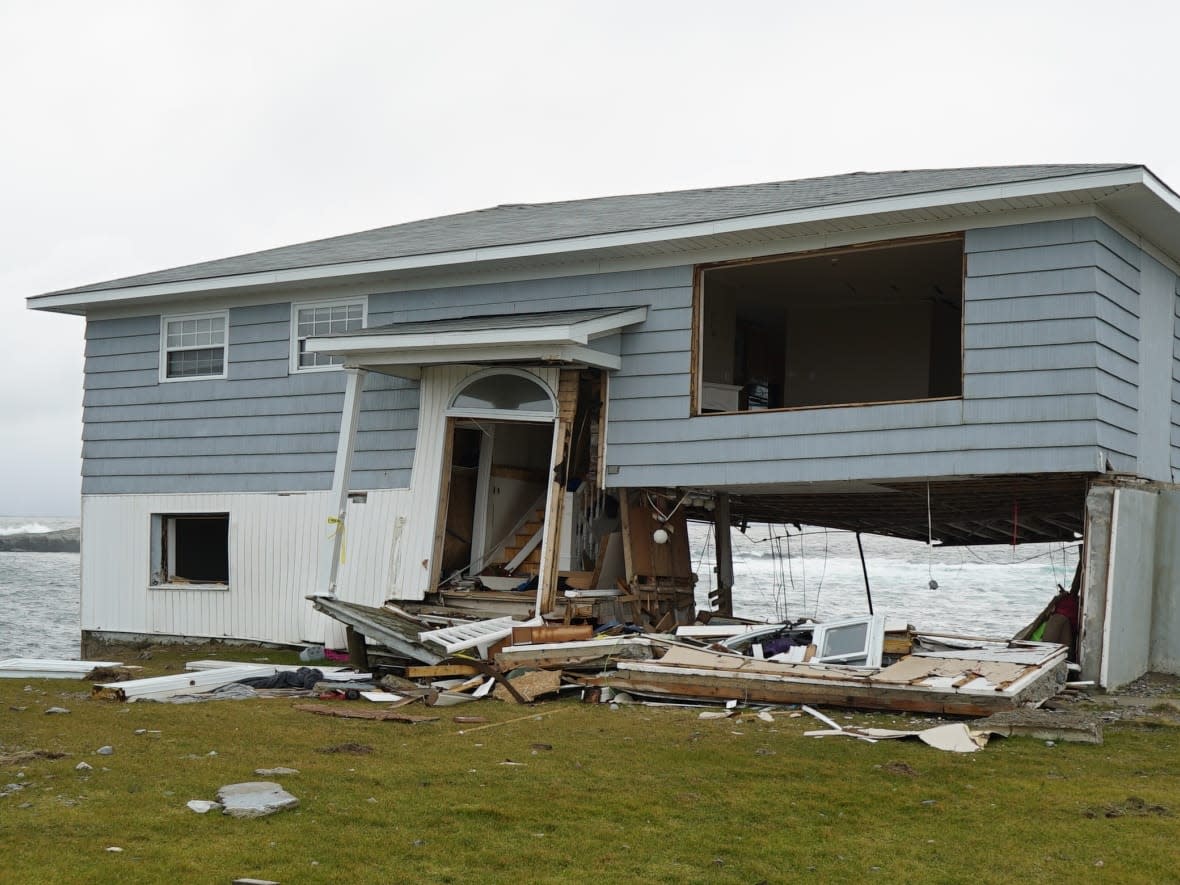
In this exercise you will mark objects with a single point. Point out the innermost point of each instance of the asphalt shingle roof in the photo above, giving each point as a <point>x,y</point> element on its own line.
<point>520,223</point>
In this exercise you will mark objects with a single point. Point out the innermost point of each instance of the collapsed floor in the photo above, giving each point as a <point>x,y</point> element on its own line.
<point>860,662</point>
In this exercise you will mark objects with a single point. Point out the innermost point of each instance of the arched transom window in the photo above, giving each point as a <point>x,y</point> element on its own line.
<point>520,395</point>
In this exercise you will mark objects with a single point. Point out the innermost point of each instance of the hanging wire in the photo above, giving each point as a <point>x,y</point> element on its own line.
<point>930,540</point>
<point>823,573</point>
<point>705,548</point>
<point>779,580</point>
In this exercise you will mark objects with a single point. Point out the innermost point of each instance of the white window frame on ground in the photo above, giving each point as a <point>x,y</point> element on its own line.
<point>202,339</point>
<point>165,546</point>
<point>322,361</point>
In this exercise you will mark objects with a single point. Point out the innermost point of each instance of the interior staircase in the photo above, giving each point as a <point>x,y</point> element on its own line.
<point>532,527</point>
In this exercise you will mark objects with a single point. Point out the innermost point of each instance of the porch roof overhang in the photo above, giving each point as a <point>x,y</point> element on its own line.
<point>544,338</point>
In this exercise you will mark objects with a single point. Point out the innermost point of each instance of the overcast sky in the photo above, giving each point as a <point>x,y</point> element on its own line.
<point>138,136</point>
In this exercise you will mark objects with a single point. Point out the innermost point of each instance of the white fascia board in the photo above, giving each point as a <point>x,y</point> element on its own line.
<point>398,362</point>
<point>79,302</point>
<point>558,335</point>
<point>588,330</point>
<point>1161,191</point>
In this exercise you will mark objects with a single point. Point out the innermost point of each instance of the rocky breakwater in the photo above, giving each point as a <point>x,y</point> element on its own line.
<point>60,541</point>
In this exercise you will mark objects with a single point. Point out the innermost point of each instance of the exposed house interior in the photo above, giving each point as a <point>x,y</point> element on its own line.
<point>869,324</point>
<point>190,548</point>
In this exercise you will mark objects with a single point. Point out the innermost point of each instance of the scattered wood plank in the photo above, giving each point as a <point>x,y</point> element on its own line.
<point>352,712</point>
<point>527,687</point>
<point>441,671</point>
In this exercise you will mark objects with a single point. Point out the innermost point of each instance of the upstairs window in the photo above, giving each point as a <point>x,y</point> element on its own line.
<point>321,318</point>
<point>853,326</point>
<point>193,346</point>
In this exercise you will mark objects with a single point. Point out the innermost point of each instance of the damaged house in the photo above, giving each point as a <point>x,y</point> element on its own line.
<point>516,410</point>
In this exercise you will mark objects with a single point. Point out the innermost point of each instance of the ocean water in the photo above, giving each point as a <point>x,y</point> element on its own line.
<point>790,573</point>
<point>38,596</point>
<point>779,574</point>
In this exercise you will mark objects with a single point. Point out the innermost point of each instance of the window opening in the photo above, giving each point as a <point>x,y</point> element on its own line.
<point>190,548</point>
<point>323,319</point>
<point>879,323</point>
<point>194,347</point>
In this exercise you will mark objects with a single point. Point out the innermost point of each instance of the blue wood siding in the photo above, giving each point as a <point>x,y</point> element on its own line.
<point>654,379</point>
<point>259,430</point>
<point>1051,350</point>
<point>1052,381</point>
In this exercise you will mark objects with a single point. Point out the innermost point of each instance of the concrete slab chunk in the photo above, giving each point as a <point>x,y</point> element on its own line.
<point>255,799</point>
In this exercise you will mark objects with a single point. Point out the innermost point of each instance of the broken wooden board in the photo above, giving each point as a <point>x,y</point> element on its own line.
<point>530,686</point>
<point>380,625</point>
<point>591,654</point>
<point>439,671</point>
<point>698,673</point>
<point>353,712</point>
<point>1043,725</point>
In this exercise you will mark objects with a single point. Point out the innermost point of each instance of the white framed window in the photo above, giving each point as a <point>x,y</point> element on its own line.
<point>310,318</point>
<point>190,550</point>
<point>193,346</point>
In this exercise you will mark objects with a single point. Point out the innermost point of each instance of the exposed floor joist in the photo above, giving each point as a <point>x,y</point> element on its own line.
<point>970,510</point>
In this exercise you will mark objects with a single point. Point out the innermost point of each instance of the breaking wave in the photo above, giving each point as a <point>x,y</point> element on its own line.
<point>28,528</point>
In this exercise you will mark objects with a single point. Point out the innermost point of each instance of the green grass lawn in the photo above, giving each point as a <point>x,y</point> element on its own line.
<point>633,794</point>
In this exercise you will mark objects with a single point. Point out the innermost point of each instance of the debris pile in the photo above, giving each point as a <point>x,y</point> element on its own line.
<point>444,657</point>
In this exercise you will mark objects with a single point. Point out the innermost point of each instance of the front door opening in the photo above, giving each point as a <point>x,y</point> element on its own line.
<point>497,484</point>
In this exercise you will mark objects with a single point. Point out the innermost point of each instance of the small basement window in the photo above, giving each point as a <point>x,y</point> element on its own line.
<point>868,324</point>
<point>190,549</point>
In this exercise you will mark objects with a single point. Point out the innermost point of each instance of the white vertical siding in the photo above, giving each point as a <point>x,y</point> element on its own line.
<point>275,546</point>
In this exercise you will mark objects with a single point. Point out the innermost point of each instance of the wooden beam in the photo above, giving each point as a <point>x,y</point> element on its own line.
<point>345,447</point>
<point>724,547</point>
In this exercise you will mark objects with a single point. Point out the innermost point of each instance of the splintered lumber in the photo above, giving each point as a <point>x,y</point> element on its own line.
<point>697,673</point>
<point>1043,725</point>
<point>382,625</point>
<point>159,687</point>
<point>591,654</point>
<point>440,671</point>
<point>350,712</point>
<point>527,687</point>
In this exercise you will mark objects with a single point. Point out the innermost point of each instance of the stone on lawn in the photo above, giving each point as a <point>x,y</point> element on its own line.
<point>255,799</point>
